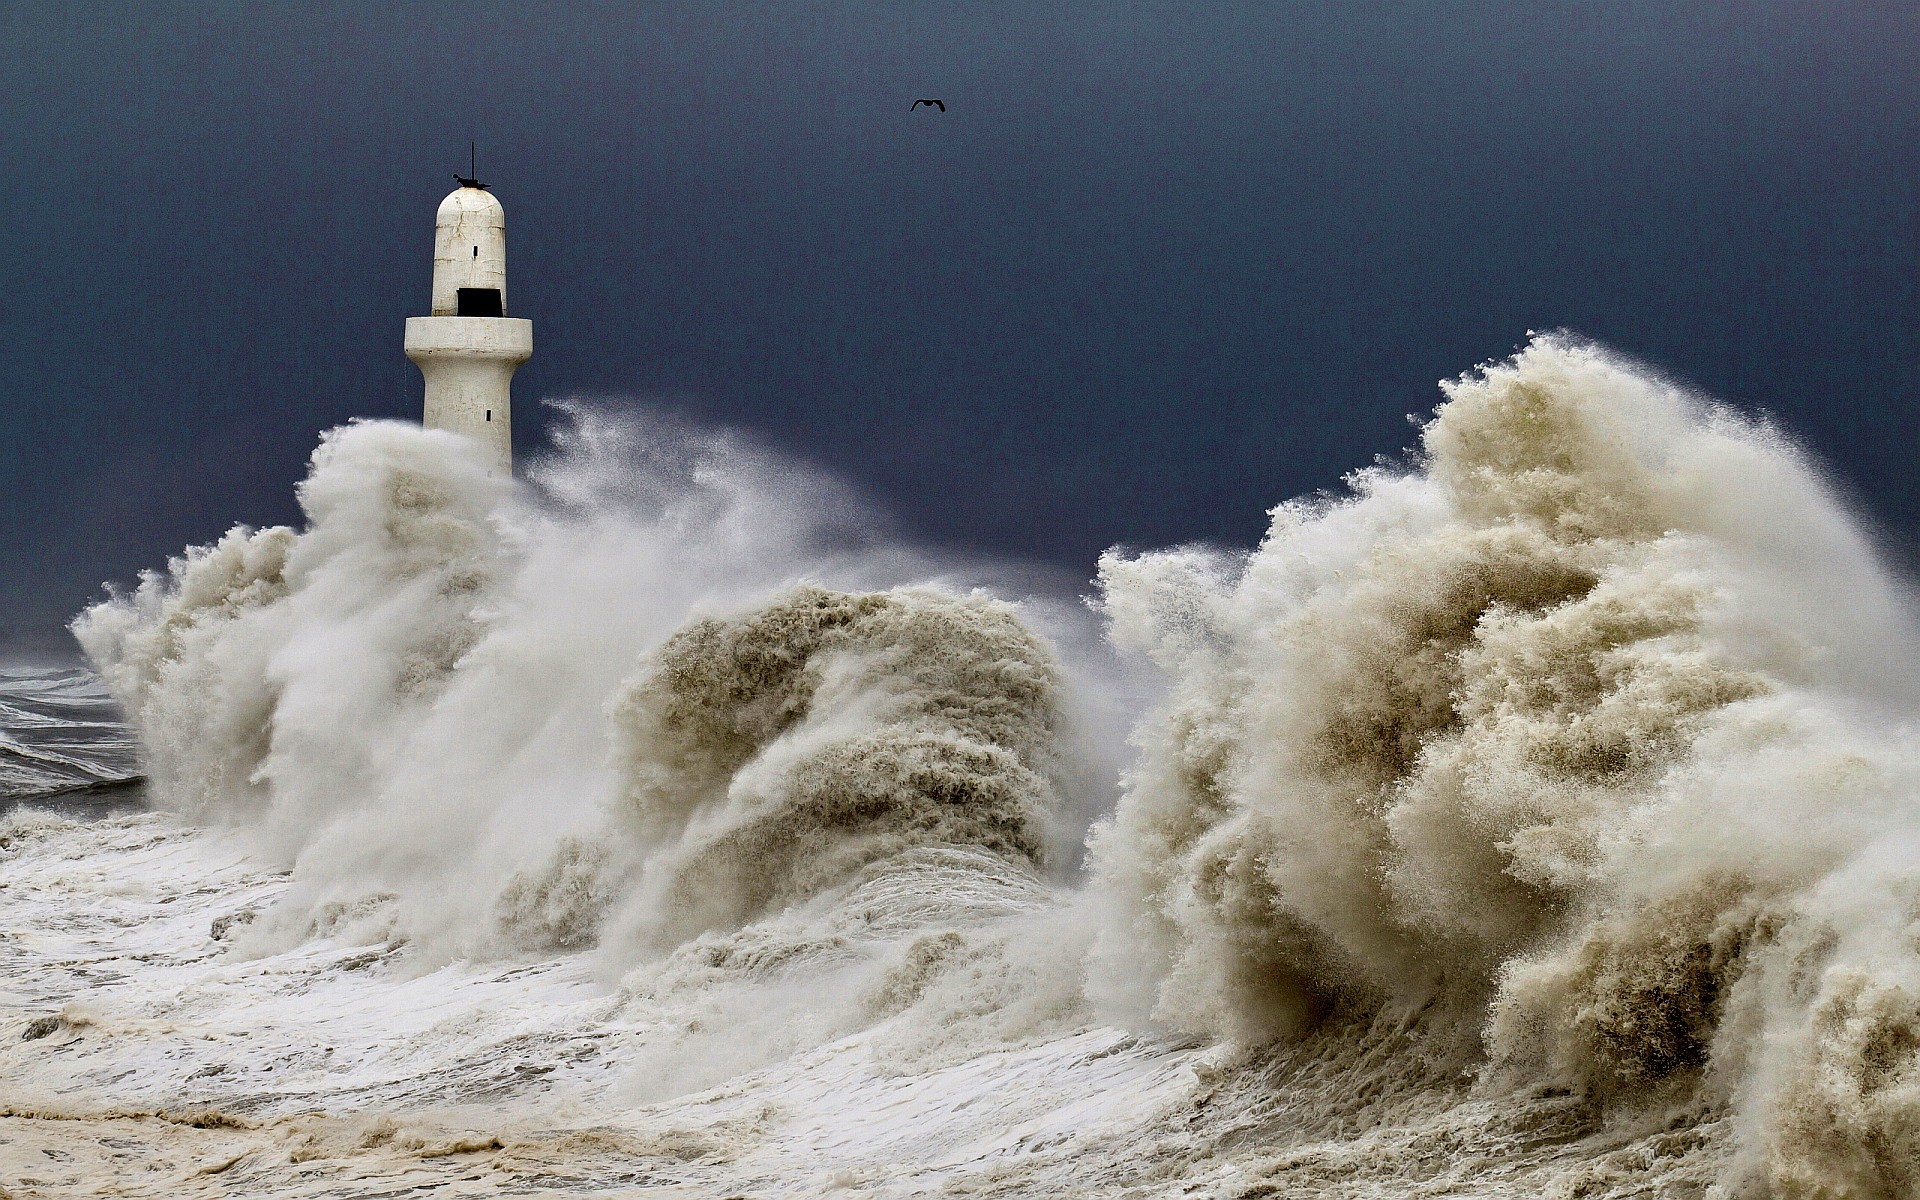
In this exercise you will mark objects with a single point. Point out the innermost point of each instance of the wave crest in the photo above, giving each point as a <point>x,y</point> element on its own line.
<point>769,755</point>
<point>1520,730</point>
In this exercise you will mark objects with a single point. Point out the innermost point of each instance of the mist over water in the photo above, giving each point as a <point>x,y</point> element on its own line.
<point>1551,795</point>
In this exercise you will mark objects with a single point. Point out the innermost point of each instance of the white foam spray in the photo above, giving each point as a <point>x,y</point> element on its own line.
<point>1573,754</point>
<point>416,698</point>
<point>1591,723</point>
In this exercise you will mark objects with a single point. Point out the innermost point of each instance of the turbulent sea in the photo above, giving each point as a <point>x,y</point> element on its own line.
<point>1537,816</point>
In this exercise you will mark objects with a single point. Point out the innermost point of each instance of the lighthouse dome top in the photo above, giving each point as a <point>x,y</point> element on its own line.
<point>465,203</point>
<point>470,255</point>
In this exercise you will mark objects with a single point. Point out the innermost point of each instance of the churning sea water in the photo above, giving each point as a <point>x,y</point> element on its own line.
<point>1539,816</point>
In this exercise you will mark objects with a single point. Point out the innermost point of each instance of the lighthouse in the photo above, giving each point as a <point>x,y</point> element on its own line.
<point>469,348</point>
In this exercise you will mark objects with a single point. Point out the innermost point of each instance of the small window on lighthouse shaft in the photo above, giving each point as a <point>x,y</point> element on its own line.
<point>479,302</point>
<point>489,414</point>
<point>476,252</point>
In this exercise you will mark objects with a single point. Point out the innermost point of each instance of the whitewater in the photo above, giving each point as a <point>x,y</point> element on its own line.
<point>1537,815</point>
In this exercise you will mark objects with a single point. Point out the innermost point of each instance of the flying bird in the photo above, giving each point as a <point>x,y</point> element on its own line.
<point>939,104</point>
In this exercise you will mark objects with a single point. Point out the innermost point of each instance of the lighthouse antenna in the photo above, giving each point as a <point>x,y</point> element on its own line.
<point>471,180</point>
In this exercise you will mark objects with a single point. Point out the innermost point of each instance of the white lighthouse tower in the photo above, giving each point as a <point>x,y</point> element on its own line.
<point>469,348</point>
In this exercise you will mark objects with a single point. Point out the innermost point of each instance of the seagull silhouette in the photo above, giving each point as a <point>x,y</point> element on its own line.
<point>939,104</point>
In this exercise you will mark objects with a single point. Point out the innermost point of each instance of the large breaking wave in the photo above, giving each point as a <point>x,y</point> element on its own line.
<point>437,680</point>
<point>1568,762</point>
<point>1592,725</point>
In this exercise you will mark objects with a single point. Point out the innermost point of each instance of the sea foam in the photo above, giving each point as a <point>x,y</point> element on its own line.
<point>1553,787</point>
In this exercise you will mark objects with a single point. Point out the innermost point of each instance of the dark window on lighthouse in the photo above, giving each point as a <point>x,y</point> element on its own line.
<point>480,302</point>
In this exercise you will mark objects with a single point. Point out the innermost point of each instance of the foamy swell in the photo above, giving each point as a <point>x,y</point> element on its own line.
<point>769,755</point>
<point>1582,742</point>
<point>482,725</point>
<point>1592,724</point>
<point>298,683</point>
<point>460,715</point>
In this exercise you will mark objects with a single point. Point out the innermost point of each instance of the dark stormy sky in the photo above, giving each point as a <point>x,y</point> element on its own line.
<point>1158,267</point>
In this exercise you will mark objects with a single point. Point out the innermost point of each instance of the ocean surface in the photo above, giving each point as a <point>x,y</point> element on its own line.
<point>63,744</point>
<point>1537,816</point>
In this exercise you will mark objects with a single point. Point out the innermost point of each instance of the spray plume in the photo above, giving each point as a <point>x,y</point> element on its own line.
<point>1584,734</point>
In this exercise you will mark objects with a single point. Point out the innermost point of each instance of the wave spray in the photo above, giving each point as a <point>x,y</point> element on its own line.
<point>1551,796</point>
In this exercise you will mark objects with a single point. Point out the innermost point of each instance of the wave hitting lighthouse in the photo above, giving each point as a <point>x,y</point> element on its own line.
<point>469,348</point>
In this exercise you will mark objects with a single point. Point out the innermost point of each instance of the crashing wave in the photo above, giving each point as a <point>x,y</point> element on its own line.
<point>765,757</point>
<point>1585,724</point>
<point>1560,779</point>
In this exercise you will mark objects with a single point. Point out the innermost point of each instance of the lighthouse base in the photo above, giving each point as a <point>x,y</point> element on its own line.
<point>469,363</point>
